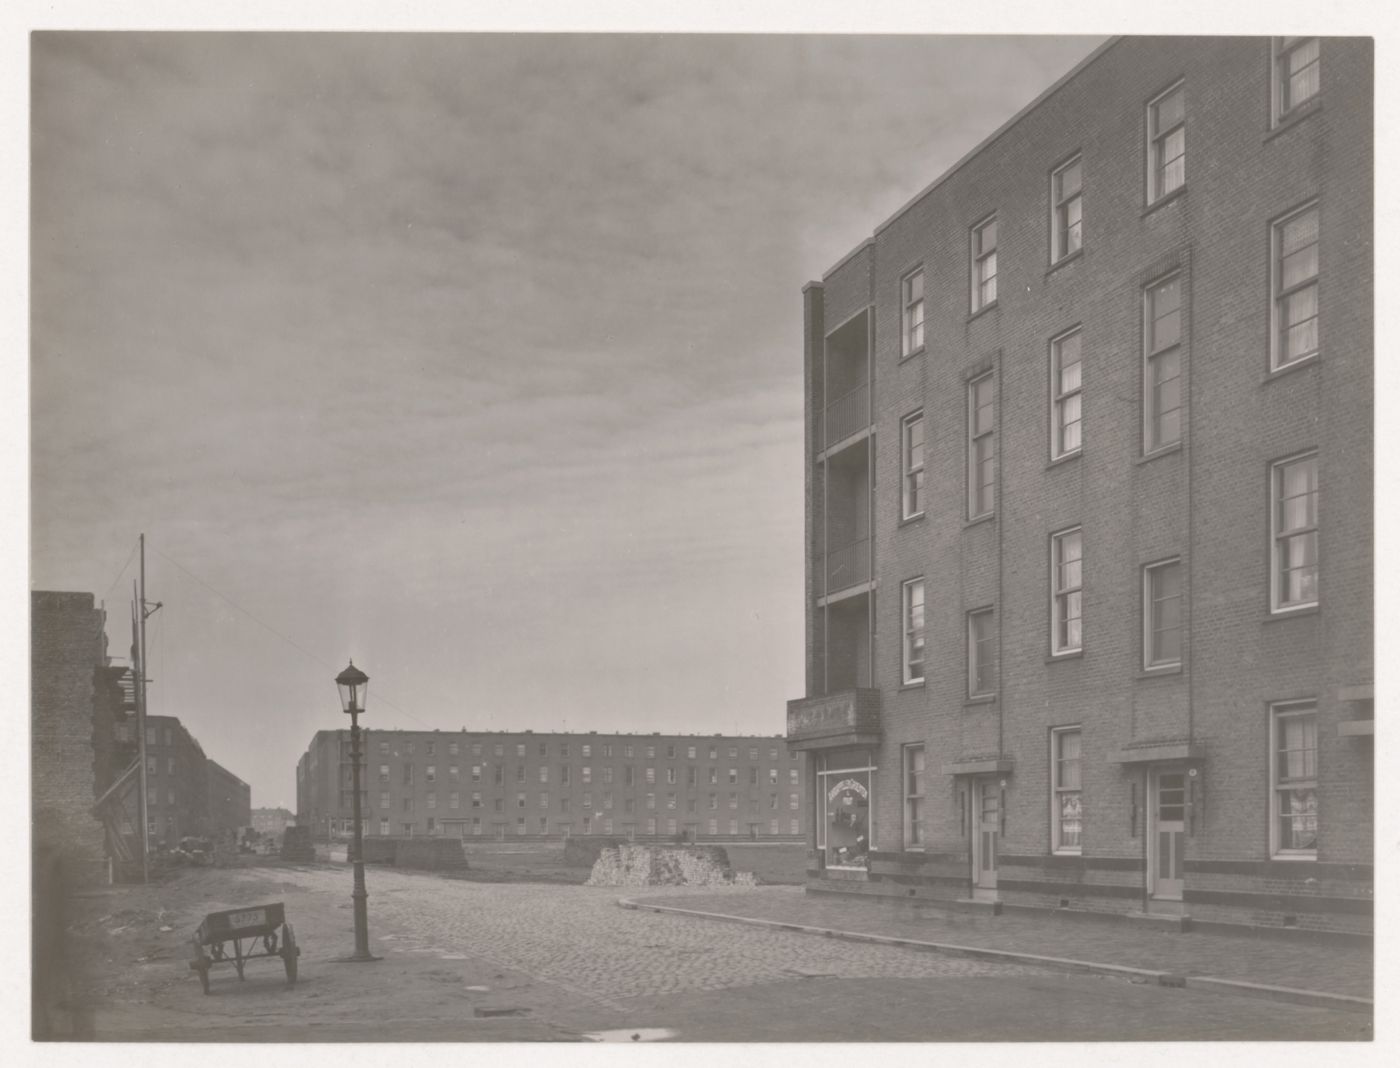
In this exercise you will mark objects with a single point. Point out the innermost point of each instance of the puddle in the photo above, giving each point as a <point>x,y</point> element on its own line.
<point>512,1011</point>
<point>627,1034</point>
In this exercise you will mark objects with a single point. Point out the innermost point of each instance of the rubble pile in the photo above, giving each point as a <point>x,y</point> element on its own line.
<point>647,865</point>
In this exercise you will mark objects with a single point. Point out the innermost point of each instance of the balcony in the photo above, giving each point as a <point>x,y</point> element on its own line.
<point>847,415</point>
<point>848,566</point>
<point>849,717</point>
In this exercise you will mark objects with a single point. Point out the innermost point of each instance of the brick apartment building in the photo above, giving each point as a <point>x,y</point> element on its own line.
<point>527,785</point>
<point>79,735</point>
<point>230,801</point>
<point>1089,504</point>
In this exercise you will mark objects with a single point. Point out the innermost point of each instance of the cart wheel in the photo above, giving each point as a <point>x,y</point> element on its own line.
<point>290,952</point>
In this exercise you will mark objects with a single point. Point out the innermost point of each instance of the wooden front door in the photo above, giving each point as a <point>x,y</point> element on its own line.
<point>986,795</point>
<point>1167,837</point>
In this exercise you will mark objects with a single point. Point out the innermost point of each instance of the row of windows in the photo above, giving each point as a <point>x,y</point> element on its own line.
<point>498,804</point>
<point>474,826</point>
<point>497,772</point>
<point>1293,585</point>
<point>1293,808</point>
<point>1295,317</point>
<point>1297,82</point>
<point>586,749</point>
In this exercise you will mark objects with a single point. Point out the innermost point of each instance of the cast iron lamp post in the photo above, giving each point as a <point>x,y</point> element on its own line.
<point>353,683</point>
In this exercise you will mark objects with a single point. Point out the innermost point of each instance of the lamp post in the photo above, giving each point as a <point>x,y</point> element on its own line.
<point>353,683</point>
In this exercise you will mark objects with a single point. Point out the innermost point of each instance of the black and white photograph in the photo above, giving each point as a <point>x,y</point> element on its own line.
<point>581,532</point>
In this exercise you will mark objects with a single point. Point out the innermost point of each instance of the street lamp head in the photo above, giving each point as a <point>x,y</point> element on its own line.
<point>353,684</point>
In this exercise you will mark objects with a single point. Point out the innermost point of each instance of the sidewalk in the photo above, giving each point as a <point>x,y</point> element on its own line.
<point>1326,969</point>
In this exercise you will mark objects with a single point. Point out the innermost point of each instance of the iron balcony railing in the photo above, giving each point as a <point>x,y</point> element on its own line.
<point>848,566</point>
<point>846,415</point>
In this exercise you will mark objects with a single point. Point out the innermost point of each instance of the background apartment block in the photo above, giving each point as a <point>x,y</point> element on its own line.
<point>1089,503</point>
<point>230,801</point>
<point>527,785</point>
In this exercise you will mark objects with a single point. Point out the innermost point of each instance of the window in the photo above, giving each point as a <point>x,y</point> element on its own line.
<point>912,300</point>
<point>587,801</point>
<point>563,749</point>
<point>670,799</point>
<point>170,765</point>
<point>1295,270</point>
<point>607,775</point>
<point>587,773</point>
<point>651,800</point>
<point>1161,391</point>
<point>476,799</point>
<point>1066,802</point>
<point>608,801</point>
<point>498,804</point>
<point>1066,210</point>
<point>753,776</point>
<point>629,775</point>
<point>671,776</point>
<point>733,826</point>
<point>1297,74</point>
<point>651,825</point>
<point>432,825</point>
<point>627,752</point>
<point>500,749</point>
<point>773,753</point>
<point>670,826</point>
<point>792,777</point>
<point>714,753</point>
<point>607,751</point>
<point>520,750</point>
<point>476,749</point>
<point>384,827</point>
<point>792,827</point>
<point>793,802</point>
<point>1293,825</point>
<point>733,752</point>
<point>772,826</point>
<point>408,774</point>
<point>587,750</point>
<point>384,800</point>
<point>913,797</point>
<point>432,800</point>
<point>753,753</point>
<point>428,748</point>
<point>714,801</point>
<point>772,776</point>
<point>608,825</point>
<point>651,752</point>
<point>1161,595</point>
<point>476,773</point>
<point>772,800</point>
<point>651,776</point>
<point>407,830</point>
<point>544,773</point>
<point>981,653</point>
<point>542,749</point>
<point>1294,521</point>
<point>1166,143</point>
<point>520,825</point>
<point>384,748</point>
<point>454,800</point>
<point>714,776</point>
<point>912,454</point>
<point>544,800</point>
<point>451,748</point>
<point>408,804</point>
<point>712,826</point>
<point>690,752</point>
<point>914,631</point>
<point>564,774</point>
<point>454,773</point>
<point>150,736</point>
<point>984,263</point>
<point>430,773</point>
<point>670,752</point>
<point>981,446</point>
<point>520,773</point>
<point>1066,591</point>
<point>733,776</point>
<point>408,747</point>
<point>520,800</point>
<point>690,775</point>
<point>1066,396</point>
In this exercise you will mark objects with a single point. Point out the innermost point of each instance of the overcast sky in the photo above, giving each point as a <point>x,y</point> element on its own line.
<point>476,358</point>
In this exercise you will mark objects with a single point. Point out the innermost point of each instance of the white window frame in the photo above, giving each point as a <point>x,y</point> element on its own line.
<point>1066,591</point>
<point>975,652</point>
<point>1277,712</point>
<point>914,789</point>
<point>911,631</point>
<point>978,443</point>
<point>1280,295</point>
<point>1062,395</point>
<point>1278,536</point>
<point>1281,50</point>
<point>1155,355</point>
<point>1157,138</point>
<point>1064,205</point>
<point>911,303</point>
<point>1150,572</point>
<point>982,263</point>
<point>912,469</point>
<point>1057,788</point>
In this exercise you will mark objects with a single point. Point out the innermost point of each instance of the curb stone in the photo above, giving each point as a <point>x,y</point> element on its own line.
<point>1317,998</point>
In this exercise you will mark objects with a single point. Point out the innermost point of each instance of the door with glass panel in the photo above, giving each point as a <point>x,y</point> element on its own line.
<point>986,796</point>
<point>1168,834</point>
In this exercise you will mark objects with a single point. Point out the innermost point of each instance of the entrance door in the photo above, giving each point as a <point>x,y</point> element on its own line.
<point>987,824</point>
<point>1168,809</point>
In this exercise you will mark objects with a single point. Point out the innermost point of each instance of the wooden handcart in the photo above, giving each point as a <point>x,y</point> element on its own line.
<point>254,933</point>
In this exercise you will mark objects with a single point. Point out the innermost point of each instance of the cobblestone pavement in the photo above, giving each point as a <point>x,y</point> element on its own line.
<point>1334,968</point>
<point>578,938</point>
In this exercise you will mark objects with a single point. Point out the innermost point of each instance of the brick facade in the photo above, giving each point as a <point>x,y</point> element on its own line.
<point>230,801</point>
<point>471,784</point>
<point>1204,501</point>
<point>68,678</point>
